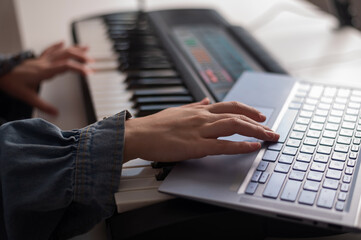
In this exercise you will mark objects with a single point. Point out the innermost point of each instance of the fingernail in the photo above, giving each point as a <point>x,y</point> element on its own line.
<point>262,116</point>
<point>272,135</point>
<point>266,127</point>
<point>255,145</point>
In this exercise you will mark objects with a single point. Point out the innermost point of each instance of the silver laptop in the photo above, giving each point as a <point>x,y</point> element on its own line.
<point>309,176</point>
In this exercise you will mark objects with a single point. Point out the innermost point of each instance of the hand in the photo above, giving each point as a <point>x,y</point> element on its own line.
<point>191,131</point>
<point>23,81</point>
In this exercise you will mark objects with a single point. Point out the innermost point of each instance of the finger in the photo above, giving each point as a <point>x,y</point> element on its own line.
<point>204,101</point>
<point>230,126</point>
<point>71,53</point>
<point>237,108</point>
<point>34,100</point>
<point>216,117</point>
<point>81,48</point>
<point>66,65</point>
<point>217,147</point>
<point>53,48</point>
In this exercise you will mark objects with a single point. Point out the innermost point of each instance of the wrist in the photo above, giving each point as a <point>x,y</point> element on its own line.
<point>7,64</point>
<point>130,135</point>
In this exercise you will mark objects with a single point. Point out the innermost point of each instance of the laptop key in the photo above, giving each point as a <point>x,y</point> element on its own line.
<point>297,175</point>
<point>337,165</point>
<point>303,157</point>
<point>327,141</point>
<point>349,170</point>
<point>251,188</point>
<point>307,197</point>
<point>341,148</point>
<point>344,140</point>
<point>270,155</point>
<point>256,175</point>
<point>301,166</point>
<point>334,174</point>
<point>329,134</point>
<point>353,155</point>
<point>342,196</point>
<point>286,159</point>
<point>351,163</point>
<point>339,156</point>
<point>307,149</point>
<point>320,167</point>
<point>310,141</point>
<point>316,176</point>
<point>344,187</point>
<point>311,185</point>
<point>321,158</point>
<point>291,190</point>
<point>330,183</point>
<point>263,178</point>
<point>347,178</point>
<point>290,151</point>
<point>297,135</point>
<point>345,132</point>
<point>274,185</point>
<point>339,206</point>
<point>324,149</point>
<point>326,198</point>
<point>275,146</point>
<point>262,166</point>
<point>283,168</point>
<point>313,133</point>
<point>293,142</point>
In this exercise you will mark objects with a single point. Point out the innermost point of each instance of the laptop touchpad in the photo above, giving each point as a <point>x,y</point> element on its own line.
<point>264,91</point>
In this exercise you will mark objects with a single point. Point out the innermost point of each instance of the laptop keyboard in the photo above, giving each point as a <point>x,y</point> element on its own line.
<point>315,158</point>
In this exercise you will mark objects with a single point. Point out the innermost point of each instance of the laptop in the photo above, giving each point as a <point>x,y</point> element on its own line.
<point>309,176</point>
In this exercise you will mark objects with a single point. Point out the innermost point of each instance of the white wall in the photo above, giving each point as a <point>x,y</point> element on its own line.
<point>9,33</point>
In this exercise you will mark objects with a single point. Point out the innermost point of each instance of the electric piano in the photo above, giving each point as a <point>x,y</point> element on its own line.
<point>150,61</point>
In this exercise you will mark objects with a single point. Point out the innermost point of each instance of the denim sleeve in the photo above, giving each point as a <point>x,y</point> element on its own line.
<point>57,184</point>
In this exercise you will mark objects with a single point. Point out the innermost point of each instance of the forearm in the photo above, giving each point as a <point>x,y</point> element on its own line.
<point>59,182</point>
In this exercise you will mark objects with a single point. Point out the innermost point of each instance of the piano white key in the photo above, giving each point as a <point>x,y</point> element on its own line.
<point>93,34</point>
<point>138,162</point>
<point>139,172</point>
<point>111,110</point>
<point>138,184</point>
<point>129,200</point>
<point>103,65</point>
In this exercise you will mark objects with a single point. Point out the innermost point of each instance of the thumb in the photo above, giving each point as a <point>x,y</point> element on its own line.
<point>34,100</point>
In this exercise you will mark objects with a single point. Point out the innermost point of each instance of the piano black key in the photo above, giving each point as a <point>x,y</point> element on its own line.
<point>126,59</point>
<point>162,164</point>
<point>152,73</point>
<point>122,46</point>
<point>144,66</point>
<point>161,175</point>
<point>131,34</point>
<point>112,28</point>
<point>119,35</point>
<point>126,24</point>
<point>163,100</point>
<point>166,91</point>
<point>151,109</point>
<point>130,16</point>
<point>154,82</point>
<point>150,53</point>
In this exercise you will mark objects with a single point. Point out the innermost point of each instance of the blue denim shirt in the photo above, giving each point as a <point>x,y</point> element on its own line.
<point>56,184</point>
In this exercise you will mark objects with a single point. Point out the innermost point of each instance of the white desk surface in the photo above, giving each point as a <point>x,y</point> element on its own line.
<point>306,41</point>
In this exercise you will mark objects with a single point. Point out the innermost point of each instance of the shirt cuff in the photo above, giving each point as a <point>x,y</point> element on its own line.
<point>99,161</point>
